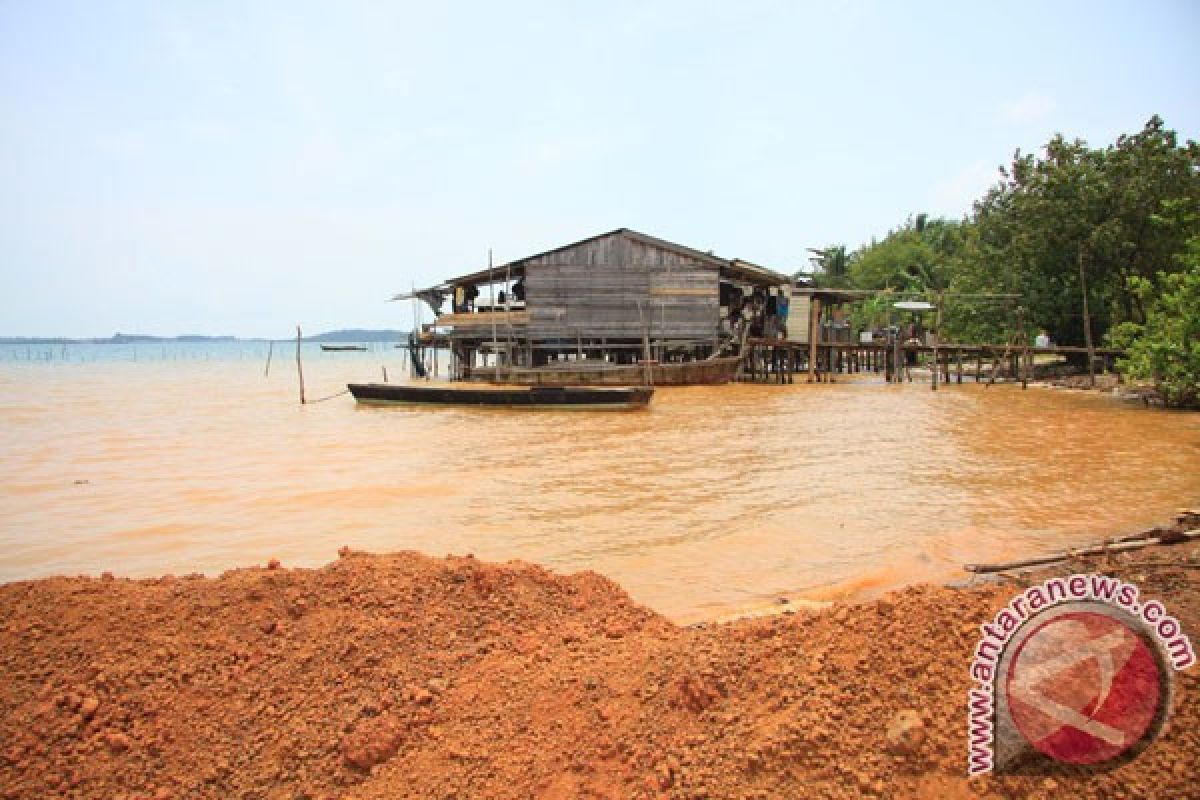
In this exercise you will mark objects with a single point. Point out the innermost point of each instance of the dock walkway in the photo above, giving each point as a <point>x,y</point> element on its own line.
<point>779,361</point>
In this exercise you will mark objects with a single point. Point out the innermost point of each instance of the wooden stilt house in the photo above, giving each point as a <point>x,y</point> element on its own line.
<point>619,298</point>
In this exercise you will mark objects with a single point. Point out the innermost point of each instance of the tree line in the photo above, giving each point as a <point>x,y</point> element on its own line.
<point>1118,225</point>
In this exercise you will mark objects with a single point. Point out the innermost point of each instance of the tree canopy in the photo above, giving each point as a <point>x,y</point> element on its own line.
<point>1116,219</point>
<point>1165,349</point>
<point>1125,211</point>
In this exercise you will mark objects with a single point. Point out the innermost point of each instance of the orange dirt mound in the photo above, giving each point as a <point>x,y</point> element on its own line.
<point>407,676</point>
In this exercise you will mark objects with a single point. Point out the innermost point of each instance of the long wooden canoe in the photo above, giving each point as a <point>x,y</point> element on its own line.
<point>537,397</point>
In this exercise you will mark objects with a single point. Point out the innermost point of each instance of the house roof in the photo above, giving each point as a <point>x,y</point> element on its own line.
<point>735,268</point>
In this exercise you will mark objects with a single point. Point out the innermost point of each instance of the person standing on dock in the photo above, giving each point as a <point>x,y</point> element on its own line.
<point>1042,340</point>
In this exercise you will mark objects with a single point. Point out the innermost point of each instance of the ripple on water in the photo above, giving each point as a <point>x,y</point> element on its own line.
<point>714,498</point>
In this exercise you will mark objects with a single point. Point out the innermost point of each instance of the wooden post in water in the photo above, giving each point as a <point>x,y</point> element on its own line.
<point>508,287</point>
<point>270,350</point>
<point>1087,323</point>
<point>649,367</point>
<point>662,332</point>
<point>1027,370</point>
<point>958,364</point>
<point>814,333</point>
<point>385,380</point>
<point>897,358</point>
<point>491,313</point>
<point>937,322</point>
<point>299,366</point>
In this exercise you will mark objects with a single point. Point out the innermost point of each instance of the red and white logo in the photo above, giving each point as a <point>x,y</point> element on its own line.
<point>1076,670</point>
<point>1084,687</point>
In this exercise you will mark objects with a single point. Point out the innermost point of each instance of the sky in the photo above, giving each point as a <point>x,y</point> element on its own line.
<point>244,167</point>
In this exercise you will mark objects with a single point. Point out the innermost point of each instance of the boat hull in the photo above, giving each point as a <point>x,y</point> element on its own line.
<point>538,397</point>
<point>688,373</point>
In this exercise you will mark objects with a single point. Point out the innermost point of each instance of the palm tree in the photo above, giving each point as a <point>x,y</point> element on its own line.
<point>830,266</point>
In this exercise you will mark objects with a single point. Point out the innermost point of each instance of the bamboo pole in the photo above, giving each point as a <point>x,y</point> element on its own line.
<point>270,351</point>
<point>299,366</point>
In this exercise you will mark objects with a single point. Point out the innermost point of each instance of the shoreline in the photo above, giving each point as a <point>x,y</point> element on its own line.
<point>403,675</point>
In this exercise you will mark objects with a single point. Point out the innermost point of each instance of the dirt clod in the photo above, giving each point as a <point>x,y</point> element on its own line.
<point>906,732</point>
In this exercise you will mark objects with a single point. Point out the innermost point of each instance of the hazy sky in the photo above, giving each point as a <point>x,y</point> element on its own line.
<point>203,167</point>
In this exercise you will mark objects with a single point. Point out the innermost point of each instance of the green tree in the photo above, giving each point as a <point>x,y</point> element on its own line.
<point>981,302</point>
<point>916,258</point>
<point>1165,349</point>
<point>830,266</point>
<point>1125,211</point>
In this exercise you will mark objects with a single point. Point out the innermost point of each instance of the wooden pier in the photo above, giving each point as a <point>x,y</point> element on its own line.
<point>779,361</point>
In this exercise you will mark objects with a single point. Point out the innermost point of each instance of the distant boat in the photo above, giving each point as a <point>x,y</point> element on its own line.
<point>536,397</point>
<point>708,371</point>
<point>341,347</point>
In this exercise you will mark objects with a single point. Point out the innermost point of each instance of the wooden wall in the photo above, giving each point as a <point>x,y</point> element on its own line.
<point>593,290</point>
<point>799,308</point>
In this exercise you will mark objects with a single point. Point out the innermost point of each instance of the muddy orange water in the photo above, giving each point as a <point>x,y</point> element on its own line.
<point>715,499</point>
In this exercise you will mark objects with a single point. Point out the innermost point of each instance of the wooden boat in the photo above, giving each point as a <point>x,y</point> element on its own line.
<point>537,397</point>
<point>342,347</point>
<point>602,373</point>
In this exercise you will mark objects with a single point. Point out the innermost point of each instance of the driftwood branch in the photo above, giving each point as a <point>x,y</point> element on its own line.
<point>1164,538</point>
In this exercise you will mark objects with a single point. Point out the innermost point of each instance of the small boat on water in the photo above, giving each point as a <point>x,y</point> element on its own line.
<point>567,398</point>
<point>342,347</point>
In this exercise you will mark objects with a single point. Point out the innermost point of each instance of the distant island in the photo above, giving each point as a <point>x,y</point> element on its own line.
<point>359,335</point>
<point>347,335</point>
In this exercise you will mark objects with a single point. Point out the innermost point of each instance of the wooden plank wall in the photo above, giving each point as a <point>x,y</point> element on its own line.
<point>593,290</point>
<point>799,308</point>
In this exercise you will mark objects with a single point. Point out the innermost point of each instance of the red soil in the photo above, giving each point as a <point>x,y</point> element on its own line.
<point>405,676</point>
